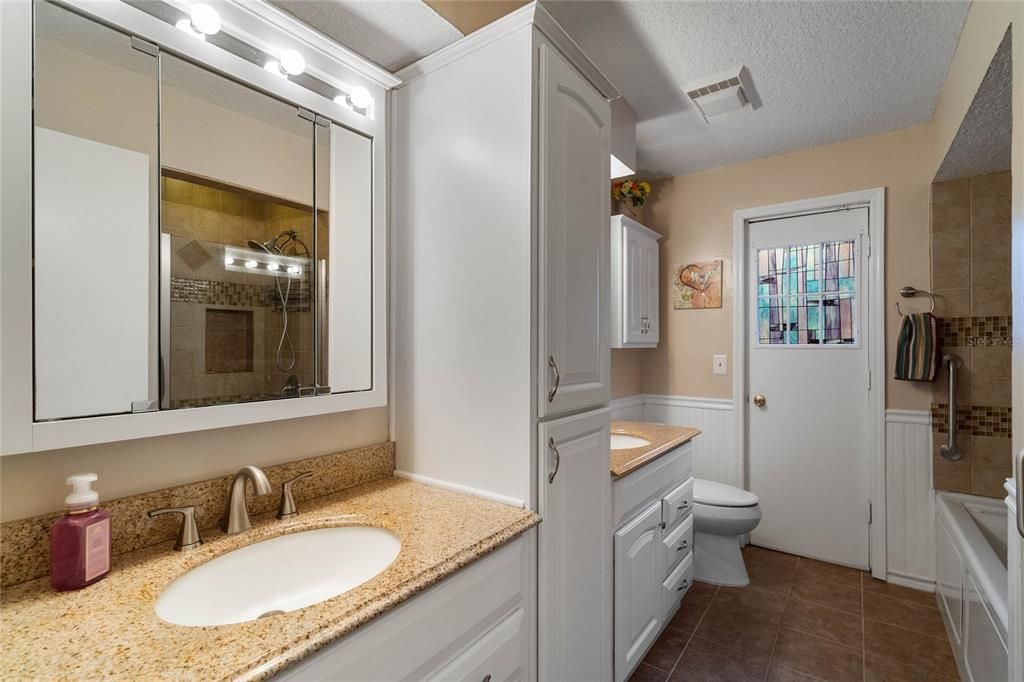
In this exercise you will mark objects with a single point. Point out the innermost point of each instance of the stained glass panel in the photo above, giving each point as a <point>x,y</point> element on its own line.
<point>791,309</point>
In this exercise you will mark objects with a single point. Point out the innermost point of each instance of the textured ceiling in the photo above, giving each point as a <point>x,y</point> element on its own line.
<point>825,71</point>
<point>391,33</point>
<point>984,142</point>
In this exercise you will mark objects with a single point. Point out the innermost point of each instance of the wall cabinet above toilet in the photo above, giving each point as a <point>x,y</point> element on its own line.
<point>634,263</point>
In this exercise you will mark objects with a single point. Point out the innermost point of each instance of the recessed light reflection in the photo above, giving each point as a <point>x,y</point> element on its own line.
<point>251,263</point>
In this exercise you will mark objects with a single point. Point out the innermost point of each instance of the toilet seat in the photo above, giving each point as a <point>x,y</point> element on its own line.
<point>715,494</point>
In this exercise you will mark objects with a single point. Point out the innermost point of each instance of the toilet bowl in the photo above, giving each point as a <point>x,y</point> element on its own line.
<point>721,514</point>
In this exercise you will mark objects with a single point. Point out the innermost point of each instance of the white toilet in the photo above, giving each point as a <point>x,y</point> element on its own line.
<point>721,514</point>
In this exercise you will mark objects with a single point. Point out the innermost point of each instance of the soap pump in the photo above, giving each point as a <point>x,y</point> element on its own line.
<point>80,540</point>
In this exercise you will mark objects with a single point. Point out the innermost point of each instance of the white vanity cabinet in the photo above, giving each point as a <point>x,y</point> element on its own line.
<point>653,550</point>
<point>477,624</point>
<point>634,284</point>
<point>1015,573</point>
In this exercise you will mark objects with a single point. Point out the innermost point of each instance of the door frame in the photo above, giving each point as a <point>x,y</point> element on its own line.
<point>874,200</point>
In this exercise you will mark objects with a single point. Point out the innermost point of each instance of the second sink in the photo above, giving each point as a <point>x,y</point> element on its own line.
<point>622,441</point>
<point>280,574</point>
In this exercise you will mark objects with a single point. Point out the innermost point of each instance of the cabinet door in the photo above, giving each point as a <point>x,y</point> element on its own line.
<point>635,281</point>
<point>649,260</point>
<point>639,572</point>
<point>573,171</point>
<point>575,549</point>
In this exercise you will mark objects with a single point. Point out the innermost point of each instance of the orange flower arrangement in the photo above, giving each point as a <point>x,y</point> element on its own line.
<point>634,191</point>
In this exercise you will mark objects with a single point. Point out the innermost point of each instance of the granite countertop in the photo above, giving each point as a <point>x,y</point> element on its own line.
<point>663,438</point>
<point>110,629</point>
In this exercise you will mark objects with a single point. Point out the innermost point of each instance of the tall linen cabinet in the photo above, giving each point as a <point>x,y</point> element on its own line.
<point>500,355</point>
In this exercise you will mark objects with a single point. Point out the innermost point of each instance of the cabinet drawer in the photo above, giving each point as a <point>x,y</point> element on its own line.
<point>677,504</point>
<point>677,544</point>
<point>676,585</point>
<point>496,656</point>
<point>632,494</point>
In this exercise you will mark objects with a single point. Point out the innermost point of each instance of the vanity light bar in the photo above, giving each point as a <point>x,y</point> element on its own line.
<point>204,23</point>
<point>256,262</point>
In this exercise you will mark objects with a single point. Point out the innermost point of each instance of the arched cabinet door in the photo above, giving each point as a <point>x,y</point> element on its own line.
<point>639,570</point>
<point>573,187</point>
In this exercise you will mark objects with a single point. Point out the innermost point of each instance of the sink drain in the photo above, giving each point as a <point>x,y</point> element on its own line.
<point>275,612</point>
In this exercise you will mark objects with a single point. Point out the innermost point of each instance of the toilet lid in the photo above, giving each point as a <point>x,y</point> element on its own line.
<point>721,495</point>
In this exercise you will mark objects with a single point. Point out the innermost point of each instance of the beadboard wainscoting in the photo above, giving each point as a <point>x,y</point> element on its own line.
<point>910,499</point>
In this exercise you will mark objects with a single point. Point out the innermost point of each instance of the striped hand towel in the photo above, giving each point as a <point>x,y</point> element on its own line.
<point>917,349</point>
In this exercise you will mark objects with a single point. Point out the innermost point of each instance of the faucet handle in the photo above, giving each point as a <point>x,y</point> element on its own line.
<point>287,508</point>
<point>188,532</point>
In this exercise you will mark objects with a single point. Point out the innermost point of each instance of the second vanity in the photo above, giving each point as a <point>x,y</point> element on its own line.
<point>652,500</point>
<point>457,601</point>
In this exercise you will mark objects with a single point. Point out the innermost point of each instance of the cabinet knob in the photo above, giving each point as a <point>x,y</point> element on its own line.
<point>683,586</point>
<point>682,547</point>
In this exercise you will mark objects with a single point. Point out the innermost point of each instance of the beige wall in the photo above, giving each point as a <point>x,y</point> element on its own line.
<point>33,483</point>
<point>694,213</point>
<point>470,15</point>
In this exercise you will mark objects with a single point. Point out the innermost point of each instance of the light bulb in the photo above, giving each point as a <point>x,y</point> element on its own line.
<point>360,97</point>
<point>292,62</point>
<point>251,263</point>
<point>294,269</point>
<point>342,100</point>
<point>228,260</point>
<point>273,266</point>
<point>204,19</point>
<point>274,67</point>
<point>186,26</point>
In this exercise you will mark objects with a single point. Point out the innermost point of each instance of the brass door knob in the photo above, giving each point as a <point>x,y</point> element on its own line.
<point>760,400</point>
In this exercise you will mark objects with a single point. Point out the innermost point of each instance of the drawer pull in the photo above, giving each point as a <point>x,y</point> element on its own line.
<point>686,583</point>
<point>683,546</point>
<point>683,506</point>
<point>487,678</point>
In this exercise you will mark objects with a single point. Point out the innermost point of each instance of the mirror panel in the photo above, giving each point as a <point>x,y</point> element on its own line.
<point>237,215</point>
<point>350,300</point>
<point>94,233</point>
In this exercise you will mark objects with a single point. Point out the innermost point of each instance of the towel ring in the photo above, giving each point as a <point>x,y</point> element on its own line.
<point>911,292</point>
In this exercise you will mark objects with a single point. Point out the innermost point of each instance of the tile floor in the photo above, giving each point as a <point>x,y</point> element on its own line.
<point>802,619</point>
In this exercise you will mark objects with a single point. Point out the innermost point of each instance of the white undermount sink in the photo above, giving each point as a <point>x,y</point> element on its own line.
<point>622,441</point>
<point>276,575</point>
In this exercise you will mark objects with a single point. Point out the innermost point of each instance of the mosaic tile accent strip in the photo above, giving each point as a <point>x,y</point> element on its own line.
<point>957,331</point>
<point>976,420</point>
<point>209,401</point>
<point>25,543</point>
<point>219,293</point>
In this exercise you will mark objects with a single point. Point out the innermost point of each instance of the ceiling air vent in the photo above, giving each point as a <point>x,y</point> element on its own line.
<point>723,95</point>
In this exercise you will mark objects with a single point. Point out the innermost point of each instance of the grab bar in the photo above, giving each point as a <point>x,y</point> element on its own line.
<point>1020,492</point>
<point>950,450</point>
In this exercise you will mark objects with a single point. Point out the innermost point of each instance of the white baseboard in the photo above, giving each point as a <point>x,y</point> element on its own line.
<point>912,581</point>
<point>455,487</point>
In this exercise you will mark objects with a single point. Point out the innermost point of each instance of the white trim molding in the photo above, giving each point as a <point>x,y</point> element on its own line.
<point>532,14</point>
<point>874,200</point>
<point>465,489</point>
<point>910,495</point>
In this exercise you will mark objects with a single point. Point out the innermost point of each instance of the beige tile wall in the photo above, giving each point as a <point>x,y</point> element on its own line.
<point>202,218</point>
<point>971,280</point>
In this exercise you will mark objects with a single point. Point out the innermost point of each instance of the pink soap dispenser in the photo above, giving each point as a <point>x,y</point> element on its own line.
<point>80,540</point>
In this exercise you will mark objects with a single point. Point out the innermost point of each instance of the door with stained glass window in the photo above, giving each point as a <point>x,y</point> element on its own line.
<point>808,360</point>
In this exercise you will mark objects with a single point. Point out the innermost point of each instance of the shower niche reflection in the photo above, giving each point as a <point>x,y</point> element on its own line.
<point>229,230</point>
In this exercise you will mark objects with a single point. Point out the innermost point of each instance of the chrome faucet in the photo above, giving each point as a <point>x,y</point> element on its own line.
<point>236,514</point>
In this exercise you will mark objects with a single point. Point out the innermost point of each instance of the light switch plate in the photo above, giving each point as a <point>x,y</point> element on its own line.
<point>719,365</point>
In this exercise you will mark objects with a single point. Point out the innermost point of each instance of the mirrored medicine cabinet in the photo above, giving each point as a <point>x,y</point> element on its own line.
<point>197,242</point>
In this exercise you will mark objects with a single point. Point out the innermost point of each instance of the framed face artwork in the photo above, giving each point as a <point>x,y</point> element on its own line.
<point>698,286</point>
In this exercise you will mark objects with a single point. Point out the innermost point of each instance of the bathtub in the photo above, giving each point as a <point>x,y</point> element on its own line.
<point>971,582</point>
